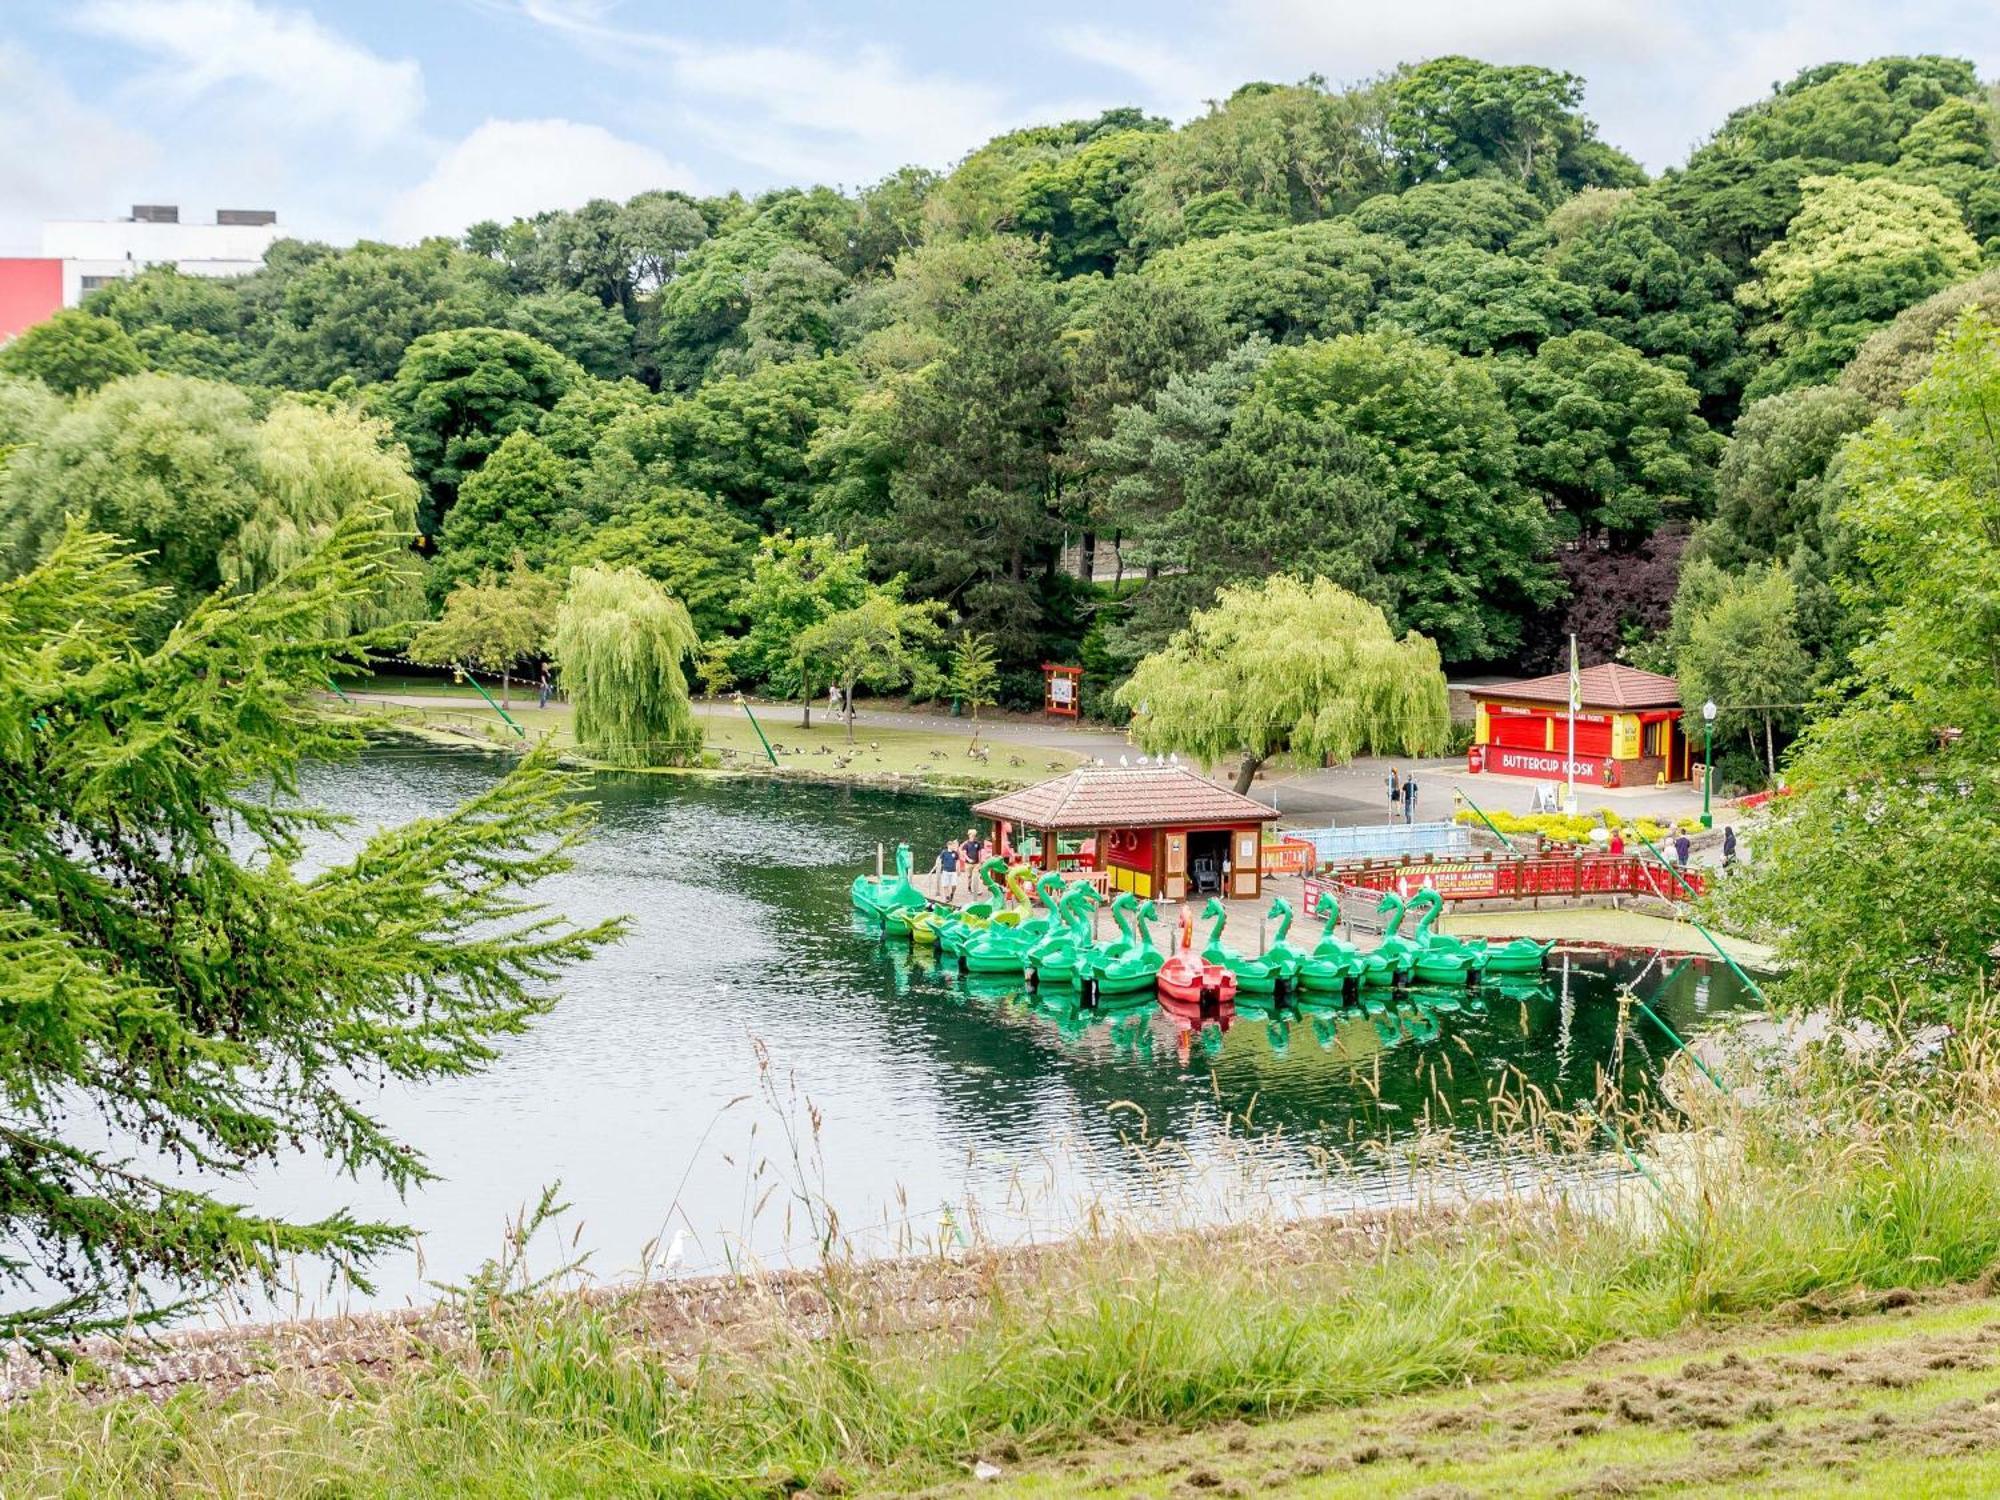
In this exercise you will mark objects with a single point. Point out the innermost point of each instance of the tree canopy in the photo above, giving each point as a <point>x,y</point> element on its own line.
<point>1288,666</point>
<point>621,643</point>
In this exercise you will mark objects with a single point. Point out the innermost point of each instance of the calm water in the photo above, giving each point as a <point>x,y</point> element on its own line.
<point>676,1084</point>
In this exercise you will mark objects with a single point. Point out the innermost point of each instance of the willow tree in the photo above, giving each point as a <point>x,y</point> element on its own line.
<point>1289,666</point>
<point>619,643</point>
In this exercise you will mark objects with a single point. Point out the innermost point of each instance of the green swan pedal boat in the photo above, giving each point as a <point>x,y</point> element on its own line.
<point>1333,967</point>
<point>1127,967</point>
<point>1253,975</point>
<point>958,928</point>
<point>1002,947</point>
<point>1054,960</point>
<point>1389,962</point>
<point>1521,956</point>
<point>890,898</point>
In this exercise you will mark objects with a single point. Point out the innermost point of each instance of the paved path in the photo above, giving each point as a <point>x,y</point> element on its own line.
<point>1357,793</point>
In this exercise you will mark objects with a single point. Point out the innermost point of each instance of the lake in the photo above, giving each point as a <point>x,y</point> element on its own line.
<point>753,1058</point>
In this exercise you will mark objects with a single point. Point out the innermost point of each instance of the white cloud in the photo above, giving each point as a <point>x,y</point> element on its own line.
<point>507,168</point>
<point>1173,82</point>
<point>840,115</point>
<point>58,157</point>
<point>297,71</point>
<point>1352,38</point>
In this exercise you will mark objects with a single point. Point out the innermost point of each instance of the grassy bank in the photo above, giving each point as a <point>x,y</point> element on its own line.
<point>876,755</point>
<point>1836,1194</point>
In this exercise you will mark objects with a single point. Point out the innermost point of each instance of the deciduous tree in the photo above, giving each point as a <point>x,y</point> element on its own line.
<point>71,351</point>
<point>620,642</point>
<point>1289,666</point>
<point>491,625</point>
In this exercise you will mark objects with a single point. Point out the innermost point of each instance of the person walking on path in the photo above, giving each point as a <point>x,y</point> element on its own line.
<point>1681,849</point>
<point>1395,793</point>
<point>1728,848</point>
<point>543,688</point>
<point>1409,799</point>
<point>947,871</point>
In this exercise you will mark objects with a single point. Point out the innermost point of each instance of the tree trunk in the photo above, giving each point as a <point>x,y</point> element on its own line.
<point>806,703</point>
<point>506,687</point>
<point>1086,559</point>
<point>1117,561</point>
<point>1247,772</point>
<point>847,704</point>
<point>1770,752</point>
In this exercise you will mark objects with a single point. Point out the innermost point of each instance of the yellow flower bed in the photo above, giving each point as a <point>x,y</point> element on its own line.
<point>1564,828</point>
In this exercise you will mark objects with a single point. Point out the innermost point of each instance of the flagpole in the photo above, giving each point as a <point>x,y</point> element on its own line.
<point>1575,691</point>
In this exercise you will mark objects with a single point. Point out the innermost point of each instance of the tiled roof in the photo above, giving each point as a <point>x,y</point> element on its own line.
<point>1606,685</point>
<point>1124,797</point>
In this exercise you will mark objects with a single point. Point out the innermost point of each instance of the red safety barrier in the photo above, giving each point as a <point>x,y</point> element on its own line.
<point>1502,879</point>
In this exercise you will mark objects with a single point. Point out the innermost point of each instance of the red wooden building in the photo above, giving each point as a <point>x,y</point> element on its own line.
<point>1628,728</point>
<point>1157,831</point>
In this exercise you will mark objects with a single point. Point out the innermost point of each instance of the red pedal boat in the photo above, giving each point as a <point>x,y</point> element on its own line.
<point>1190,978</point>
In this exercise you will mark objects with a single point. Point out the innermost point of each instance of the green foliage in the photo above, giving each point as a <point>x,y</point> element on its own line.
<point>168,967</point>
<point>316,468</point>
<point>1771,487</point>
<point>523,502</point>
<point>1856,254</point>
<point>1610,436</point>
<point>491,625</point>
<point>975,668</point>
<point>71,351</point>
<point>1075,206</point>
<point>794,583</point>
<point>1843,112</point>
<point>457,396</point>
<point>1288,666</point>
<point>1487,213</point>
<point>1288,284</point>
<point>686,542</point>
<point>1476,302</point>
<point>1649,287</point>
<point>1469,555</point>
<point>1266,157</point>
<point>578,327</point>
<point>619,642</point>
<point>979,430</point>
<point>28,409</point>
<point>320,314</point>
<point>1895,829</point>
<point>1455,117</point>
<point>167,464</point>
<point>881,643</point>
<point>1743,652</point>
<point>1895,358</point>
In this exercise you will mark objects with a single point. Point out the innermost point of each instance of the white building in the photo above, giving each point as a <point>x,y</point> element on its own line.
<point>94,251</point>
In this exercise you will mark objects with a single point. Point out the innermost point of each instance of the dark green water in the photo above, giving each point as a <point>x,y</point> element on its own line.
<point>675,1086</point>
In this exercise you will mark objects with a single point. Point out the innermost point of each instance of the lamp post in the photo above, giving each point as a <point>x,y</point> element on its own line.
<point>1707,759</point>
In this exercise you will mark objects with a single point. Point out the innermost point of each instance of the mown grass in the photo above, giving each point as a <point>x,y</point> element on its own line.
<point>1835,1182</point>
<point>876,753</point>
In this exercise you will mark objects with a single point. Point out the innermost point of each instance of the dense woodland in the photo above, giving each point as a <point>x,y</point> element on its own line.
<point>1428,337</point>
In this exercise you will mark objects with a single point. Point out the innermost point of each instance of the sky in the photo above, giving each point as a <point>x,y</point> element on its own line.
<point>393,119</point>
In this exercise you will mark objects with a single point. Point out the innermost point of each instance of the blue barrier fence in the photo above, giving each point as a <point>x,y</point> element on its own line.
<point>1385,840</point>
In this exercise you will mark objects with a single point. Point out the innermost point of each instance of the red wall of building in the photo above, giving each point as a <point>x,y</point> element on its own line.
<point>30,290</point>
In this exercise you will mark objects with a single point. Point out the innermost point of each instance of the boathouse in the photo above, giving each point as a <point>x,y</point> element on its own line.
<point>1162,832</point>
<point>1628,728</point>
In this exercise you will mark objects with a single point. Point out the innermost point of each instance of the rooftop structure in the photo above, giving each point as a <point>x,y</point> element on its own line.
<point>96,251</point>
<point>1157,831</point>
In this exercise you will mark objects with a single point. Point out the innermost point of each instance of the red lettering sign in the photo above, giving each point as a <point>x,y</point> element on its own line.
<point>1541,763</point>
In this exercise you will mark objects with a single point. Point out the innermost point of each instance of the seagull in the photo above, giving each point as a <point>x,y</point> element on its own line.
<point>676,1251</point>
<point>1123,761</point>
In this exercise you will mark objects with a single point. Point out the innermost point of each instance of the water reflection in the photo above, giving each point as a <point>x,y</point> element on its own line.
<point>755,1051</point>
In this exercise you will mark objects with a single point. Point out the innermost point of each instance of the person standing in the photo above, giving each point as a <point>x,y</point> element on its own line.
<point>1409,799</point>
<point>1395,793</point>
<point>1681,847</point>
<point>1728,848</point>
<point>543,688</point>
<point>947,869</point>
<point>1617,842</point>
<point>972,848</point>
